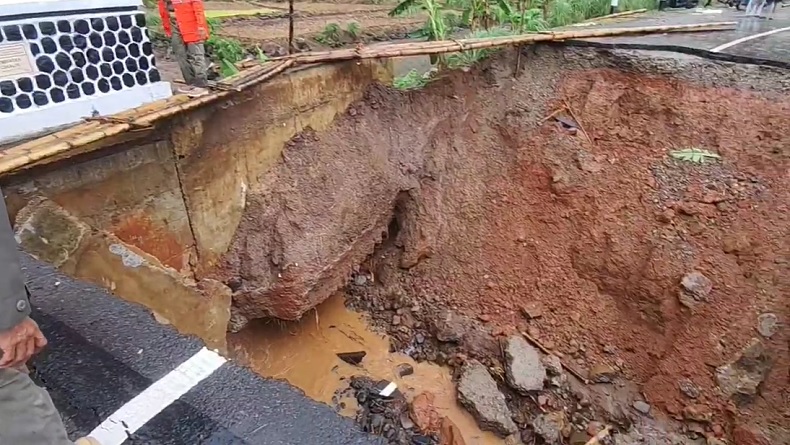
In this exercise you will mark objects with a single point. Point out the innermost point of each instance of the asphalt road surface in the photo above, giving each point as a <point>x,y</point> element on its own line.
<point>105,354</point>
<point>754,40</point>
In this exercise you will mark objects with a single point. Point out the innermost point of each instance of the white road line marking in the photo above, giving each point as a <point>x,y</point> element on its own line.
<point>138,411</point>
<point>747,38</point>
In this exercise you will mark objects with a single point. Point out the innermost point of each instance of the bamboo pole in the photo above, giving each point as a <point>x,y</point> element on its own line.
<point>616,14</point>
<point>32,152</point>
<point>491,42</point>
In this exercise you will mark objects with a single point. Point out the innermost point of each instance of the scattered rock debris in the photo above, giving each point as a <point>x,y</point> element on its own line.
<point>424,414</point>
<point>383,415</point>
<point>742,377</point>
<point>552,427</point>
<point>404,369</point>
<point>352,358</point>
<point>602,373</point>
<point>696,288</point>
<point>525,372</point>
<point>767,324</point>
<point>620,329</point>
<point>478,393</point>
<point>688,388</point>
<point>642,407</point>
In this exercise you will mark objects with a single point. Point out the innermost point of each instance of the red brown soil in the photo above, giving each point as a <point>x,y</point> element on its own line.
<point>502,211</point>
<point>601,231</point>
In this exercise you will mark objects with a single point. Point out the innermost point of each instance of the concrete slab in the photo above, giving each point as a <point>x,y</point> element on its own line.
<point>755,40</point>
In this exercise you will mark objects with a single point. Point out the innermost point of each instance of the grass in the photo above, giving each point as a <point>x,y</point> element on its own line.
<point>492,18</point>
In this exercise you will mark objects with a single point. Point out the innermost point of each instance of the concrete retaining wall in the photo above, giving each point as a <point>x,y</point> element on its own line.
<point>148,217</point>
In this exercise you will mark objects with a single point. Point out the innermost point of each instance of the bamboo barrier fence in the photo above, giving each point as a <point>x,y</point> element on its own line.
<point>55,145</point>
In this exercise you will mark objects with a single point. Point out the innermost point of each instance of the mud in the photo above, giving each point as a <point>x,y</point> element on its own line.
<point>304,353</point>
<point>462,198</point>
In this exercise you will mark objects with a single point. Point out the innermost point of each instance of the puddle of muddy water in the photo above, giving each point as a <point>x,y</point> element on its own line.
<point>304,354</point>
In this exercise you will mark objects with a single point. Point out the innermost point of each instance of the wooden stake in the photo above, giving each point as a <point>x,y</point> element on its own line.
<point>553,113</point>
<point>578,122</point>
<point>291,27</point>
<point>543,349</point>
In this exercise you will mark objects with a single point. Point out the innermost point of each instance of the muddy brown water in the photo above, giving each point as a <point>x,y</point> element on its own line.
<point>303,353</point>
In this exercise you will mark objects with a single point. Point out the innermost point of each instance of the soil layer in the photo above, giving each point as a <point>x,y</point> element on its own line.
<point>584,222</point>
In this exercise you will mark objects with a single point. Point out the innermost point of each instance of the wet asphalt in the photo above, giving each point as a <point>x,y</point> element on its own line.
<point>102,352</point>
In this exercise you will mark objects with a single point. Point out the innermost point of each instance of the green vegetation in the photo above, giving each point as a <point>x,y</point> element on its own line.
<point>333,35</point>
<point>493,18</point>
<point>330,36</point>
<point>411,81</point>
<point>694,155</point>
<point>227,51</point>
<point>353,30</point>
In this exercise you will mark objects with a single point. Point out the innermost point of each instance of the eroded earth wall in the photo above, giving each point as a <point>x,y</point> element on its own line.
<point>149,217</point>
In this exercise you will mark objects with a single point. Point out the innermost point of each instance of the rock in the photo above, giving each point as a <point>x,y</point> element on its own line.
<point>578,438</point>
<point>360,280</point>
<point>742,377</point>
<point>524,369</point>
<point>687,300</point>
<point>449,326</point>
<point>744,435</point>
<point>405,421</point>
<point>352,358</point>
<point>424,414</point>
<point>641,406</point>
<point>237,320</point>
<point>711,440</point>
<point>697,285</point>
<point>395,320</point>
<point>767,324</point>
<point>514,439</point>
<point>698,413</point>
<point>553,365</point>
<point>594,427</point>
<point>688,388</point>
<point>450,434</point>
<point>404,369</point>
<point>478,393</point>
<point>602,373</point>
<point>532,310</point>
<point>550,427</point>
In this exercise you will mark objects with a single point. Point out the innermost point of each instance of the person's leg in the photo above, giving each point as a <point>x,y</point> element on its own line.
<point>27,414</point>
<point>180,51</point>
<point>196,55</point>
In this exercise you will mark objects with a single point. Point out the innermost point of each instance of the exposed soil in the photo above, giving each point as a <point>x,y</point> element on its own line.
<point>498,213</point>
<point>373,23</point>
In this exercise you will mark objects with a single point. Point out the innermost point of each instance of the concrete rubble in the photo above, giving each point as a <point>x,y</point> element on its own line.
<point>479,394</point>
<point>742,377</point>
<point>525,371</point>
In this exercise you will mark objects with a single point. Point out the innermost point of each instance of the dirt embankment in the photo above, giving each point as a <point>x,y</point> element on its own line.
<point>590,228</point>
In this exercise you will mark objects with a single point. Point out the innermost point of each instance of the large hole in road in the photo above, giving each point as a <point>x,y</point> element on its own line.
<point>626,212</point>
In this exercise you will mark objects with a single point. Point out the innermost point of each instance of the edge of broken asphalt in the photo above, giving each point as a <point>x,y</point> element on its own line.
<point>103,352</point>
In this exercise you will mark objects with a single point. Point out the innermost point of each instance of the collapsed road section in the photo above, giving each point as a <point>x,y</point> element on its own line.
<point>609,220</point>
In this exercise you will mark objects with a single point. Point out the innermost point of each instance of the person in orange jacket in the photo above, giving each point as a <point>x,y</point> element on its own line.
<point>185,23</point>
